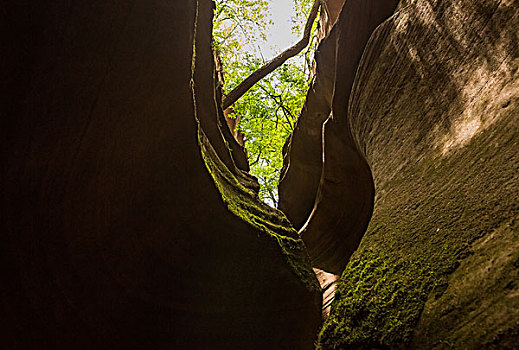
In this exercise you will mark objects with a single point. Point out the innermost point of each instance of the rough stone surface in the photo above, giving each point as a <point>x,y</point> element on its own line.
<point>116,232</point>
<point>435,112</point>
<point>128,221</point>
<point>322,164</point>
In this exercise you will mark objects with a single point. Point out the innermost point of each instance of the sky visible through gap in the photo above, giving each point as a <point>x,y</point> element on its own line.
<point>268,111</point>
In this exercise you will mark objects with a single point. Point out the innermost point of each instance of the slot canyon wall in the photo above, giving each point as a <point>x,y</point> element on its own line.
<point>127,219</point>
<point>414,136</point>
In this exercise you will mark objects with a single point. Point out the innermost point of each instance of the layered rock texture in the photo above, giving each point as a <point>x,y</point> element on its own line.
<point>127,219</point>
<point>417,129</point>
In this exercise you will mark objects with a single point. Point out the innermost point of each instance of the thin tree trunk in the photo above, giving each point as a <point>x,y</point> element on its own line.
<point>270,66</point>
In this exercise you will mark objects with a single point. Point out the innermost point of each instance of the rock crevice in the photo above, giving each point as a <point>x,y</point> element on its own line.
<point>129,220</point>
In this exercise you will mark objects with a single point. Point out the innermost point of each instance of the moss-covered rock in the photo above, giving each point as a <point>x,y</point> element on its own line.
<point>114,234</point>
<point>246,205</point>
<point>434,109</point>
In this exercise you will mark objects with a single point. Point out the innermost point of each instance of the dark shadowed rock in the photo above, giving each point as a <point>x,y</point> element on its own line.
<point>126,220</point>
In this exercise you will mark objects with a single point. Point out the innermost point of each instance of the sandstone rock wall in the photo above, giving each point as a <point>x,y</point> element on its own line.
<point>117,230</point>
<point>434,113</point>
<point>326,188</point>
<point>128,221</point>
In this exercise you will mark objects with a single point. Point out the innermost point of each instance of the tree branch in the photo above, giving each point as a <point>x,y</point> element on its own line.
<point>268,68</point>
<point>281,106</point>
<point>258,157</point>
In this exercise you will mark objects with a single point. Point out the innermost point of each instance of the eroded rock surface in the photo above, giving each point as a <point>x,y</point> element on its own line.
<point>117,228</point>
<point>128,220</point>
<point>434,112</point>
<point>326,188</point>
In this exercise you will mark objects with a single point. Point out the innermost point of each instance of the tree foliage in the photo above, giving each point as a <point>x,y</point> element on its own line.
<point>238,25</point>
<point>268,111</point>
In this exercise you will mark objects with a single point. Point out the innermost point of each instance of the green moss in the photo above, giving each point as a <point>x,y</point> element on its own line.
<point>244,203</point>
<point>379,300</point>
<point>421,231</point>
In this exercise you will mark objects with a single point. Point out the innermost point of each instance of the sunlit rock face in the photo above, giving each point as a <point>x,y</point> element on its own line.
<point>329,14</point>
<point>126,220</point>
<point>433,111</point>
<point>326,188</point>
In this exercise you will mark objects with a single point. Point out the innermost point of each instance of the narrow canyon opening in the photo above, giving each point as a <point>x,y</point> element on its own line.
<point>130,218</point>
<point>325,185</point>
